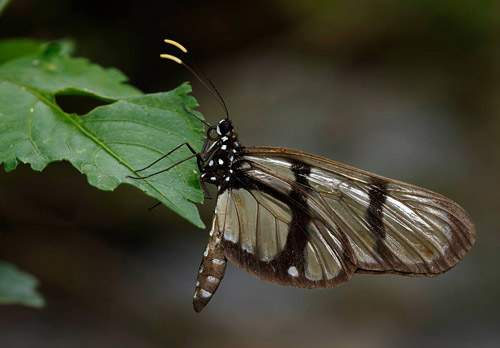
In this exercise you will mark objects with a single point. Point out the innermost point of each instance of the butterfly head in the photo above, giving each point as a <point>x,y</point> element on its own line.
<point>224,128</point>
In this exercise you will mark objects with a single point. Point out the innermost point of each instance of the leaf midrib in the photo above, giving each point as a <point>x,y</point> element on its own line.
<point>96,140</point>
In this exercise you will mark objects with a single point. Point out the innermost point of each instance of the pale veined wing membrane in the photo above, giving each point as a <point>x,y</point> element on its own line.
<point>376,224</point>
<point>408,241</point>
<point>269,233</point>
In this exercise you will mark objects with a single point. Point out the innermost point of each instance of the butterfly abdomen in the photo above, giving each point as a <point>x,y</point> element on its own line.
<point>211,271</point>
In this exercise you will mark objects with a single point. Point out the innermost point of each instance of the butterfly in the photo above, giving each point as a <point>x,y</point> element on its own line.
<point>296,219</point>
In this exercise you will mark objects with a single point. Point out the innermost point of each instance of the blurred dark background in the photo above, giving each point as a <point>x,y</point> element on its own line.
<point>406,89</point>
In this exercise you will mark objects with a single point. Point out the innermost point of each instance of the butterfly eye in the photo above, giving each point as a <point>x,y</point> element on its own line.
<point>224,127</point>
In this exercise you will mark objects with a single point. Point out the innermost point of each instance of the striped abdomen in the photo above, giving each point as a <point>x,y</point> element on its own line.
<point>211,271</point>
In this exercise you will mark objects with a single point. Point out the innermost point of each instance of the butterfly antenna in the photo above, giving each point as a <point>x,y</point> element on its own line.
<point>223,103</point>
<point>210,86</point>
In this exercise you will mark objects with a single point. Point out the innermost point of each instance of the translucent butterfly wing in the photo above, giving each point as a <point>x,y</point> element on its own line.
<point>297,219</point>
<point>261,236</point>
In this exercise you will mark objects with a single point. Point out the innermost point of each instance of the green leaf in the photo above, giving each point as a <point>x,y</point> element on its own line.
<point>108,143</point>
<point>55,72</point>
<point>12,49</point>
<point>17,48</point>
<point>17,287</point>
<point>3,5</point>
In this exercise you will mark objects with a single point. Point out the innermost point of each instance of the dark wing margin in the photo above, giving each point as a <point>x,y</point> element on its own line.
<point>297,219</point>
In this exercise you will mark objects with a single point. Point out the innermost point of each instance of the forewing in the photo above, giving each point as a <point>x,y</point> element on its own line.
<point>376,224</point>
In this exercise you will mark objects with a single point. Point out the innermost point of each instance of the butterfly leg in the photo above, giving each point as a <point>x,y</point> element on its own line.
<point>163,170</point>
<point>194,154</point>
<point>207,194</point>
<point>168,154</point>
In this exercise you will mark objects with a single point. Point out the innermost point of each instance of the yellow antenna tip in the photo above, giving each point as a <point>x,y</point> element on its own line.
<point>168,56</point>
<point>176,44</point>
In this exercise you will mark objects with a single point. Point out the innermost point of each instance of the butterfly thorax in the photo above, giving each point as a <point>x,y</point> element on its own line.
<point>218,158</point>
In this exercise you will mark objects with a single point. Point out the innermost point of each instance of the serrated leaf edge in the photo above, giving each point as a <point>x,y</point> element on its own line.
<point>103,146</point>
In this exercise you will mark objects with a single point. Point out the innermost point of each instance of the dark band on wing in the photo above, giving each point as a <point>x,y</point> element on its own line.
<point>292,254</point>
<point>375,218</point>
<point>297,238</point>
<point>375,212</point>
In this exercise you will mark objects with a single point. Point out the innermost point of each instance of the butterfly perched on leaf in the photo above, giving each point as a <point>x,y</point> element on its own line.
<point>296,219</point>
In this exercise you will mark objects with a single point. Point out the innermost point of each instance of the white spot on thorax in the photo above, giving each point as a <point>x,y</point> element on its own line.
<point>293,271</point>
<point>211,163</point>
<point>218,262</point>
<point>221,161</point>
<point>224,138</point>
<point>223,147</point>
